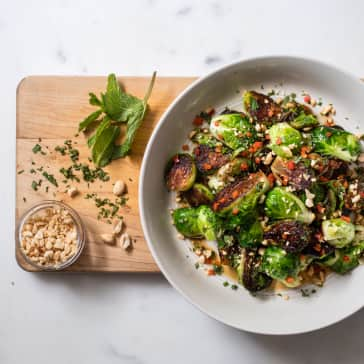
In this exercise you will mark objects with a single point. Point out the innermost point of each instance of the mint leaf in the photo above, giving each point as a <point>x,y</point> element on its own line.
<point>118,104</point>
<point>94,100</point>
<point>135,112</point>
<point>89,120</point>
<point>103,125</point>
<point>103,146</point>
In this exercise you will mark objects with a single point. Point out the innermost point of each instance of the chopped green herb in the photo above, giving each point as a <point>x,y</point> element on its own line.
<point>218,269</point>
<point>234,287</point>
<point>50,178</point>
<point>197,265</point>
<point>36,149</point>
<point>24,199</point>
<point>226,284</point>
<point>254,104</point>
<point>33,171</point>
<point>20,172</point>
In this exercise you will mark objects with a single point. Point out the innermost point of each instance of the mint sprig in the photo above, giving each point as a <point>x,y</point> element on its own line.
<point>115,107</point>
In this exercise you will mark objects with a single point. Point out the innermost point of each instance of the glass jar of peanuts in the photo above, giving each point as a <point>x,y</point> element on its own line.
<point>51,236</point>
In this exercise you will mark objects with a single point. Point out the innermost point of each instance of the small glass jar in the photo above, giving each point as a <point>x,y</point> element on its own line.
<point>80,231</point>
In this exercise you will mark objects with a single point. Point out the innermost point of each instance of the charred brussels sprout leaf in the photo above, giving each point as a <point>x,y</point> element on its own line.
<point>299,177</point>
<point>281,205</point>
<point>336,143</point>
<point>280,265</point>
<point>338,232</point>
<point>234,130</point>
<point>180,173</point>
<point>251,236</point>
<point>209,159</point>
<point>196,222</point>
<point>198,195</point>
<point>233,168</point>
<point>284,140</point>
<point>242,194</point>
<point>249,274</point>
<point>292,236</point>
<point>261,107</point>
<point>345,259</point>
<point>304,121</point>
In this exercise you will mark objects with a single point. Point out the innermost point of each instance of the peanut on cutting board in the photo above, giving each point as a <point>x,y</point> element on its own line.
<point>49,238</point>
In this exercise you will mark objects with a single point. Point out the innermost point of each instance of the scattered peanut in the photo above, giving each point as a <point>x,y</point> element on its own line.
<point>125,241</point>
<point>72,191</point>
<point>108,238</point>
<point>118,226</point>
<point>119,188</point>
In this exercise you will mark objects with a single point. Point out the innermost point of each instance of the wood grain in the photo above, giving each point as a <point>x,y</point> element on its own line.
<point>50,107</point>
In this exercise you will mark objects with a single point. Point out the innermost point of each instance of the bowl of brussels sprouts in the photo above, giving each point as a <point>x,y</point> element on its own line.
<point>252,195</point>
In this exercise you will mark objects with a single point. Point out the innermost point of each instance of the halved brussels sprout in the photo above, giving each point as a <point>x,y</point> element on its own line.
<point>292,236</point>
<point>304,121</point>
<point>261,107</point>
<point>180,172</point>
<point>280,265</point>
<point>299,177</point>
<point>345,259</point>
<point>208,159</point>
<point>203,138</point>
<point>196,222</point>
<point>242,194</point>
<point>251,236</point>
<point>198,195</point>
<point>284,140</point>
<point>338,232</point>
<point>336,143</point>
<point>281,204</point>
<point>233,168</point>
<point>234,130</point>
<point>249,274</point>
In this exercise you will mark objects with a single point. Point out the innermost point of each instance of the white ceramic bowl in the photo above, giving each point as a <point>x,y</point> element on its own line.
<point>341,296</point>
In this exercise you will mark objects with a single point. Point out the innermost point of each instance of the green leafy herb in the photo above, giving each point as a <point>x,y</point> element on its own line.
<point>234,287</point>
<point>226,284</point>
<point>218,269</point>
<point>20,172</point>
<point>89,120</point>
<point>36,184</point>
<point>50,178</point>
<point>117,107</point>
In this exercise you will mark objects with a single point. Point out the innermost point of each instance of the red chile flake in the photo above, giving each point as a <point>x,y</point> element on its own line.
<point>291,165</point>
<point>346,258</point>
<point>307,99</point>
<point>185,147</point>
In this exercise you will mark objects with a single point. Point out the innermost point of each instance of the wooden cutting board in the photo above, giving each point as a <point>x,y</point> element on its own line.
<point>50,107</point>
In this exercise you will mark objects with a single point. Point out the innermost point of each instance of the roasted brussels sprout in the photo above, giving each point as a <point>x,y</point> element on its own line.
<point>202,138</point>
<point>180,173</point>
<point>345,259</point>
<point>242,194</point>
<point>292,236</point>
<point>197,222</point>
<point>198,195</point>
<point>231,169</point>
<point>336,143</point>
<point>251,236</point>
<point>281,205</point>
<point>234,130</point>
<point>209,159</point>
<point>338,232</point>
<point>261,107</point>
<point>304,121</point>
<point>280,265</point>
<point>294,174</point>
<point>249,273</point>
<point>284,140</point>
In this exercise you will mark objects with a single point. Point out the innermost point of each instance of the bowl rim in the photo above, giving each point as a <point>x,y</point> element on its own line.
<point>151,141</point>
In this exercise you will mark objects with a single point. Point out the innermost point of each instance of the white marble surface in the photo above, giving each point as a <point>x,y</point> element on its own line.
<point>140,318</point>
